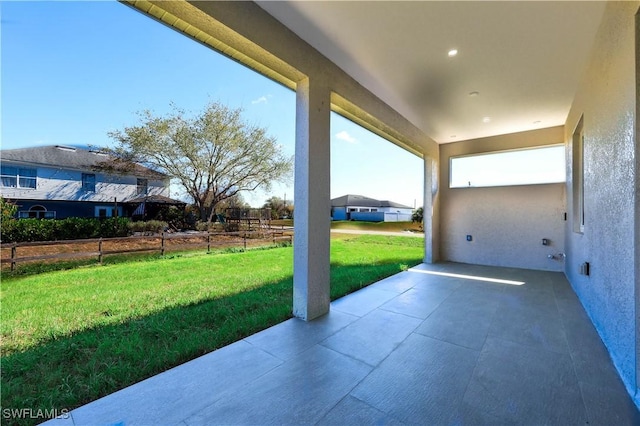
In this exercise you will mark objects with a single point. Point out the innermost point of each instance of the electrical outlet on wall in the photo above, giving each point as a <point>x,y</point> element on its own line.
<point>585,269</point>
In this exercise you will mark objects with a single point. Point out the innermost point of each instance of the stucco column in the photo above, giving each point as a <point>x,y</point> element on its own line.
<point>430,214</point>
<point>312,201</point>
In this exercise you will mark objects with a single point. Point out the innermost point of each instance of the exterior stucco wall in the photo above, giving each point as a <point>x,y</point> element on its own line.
<point>382,214</point>
<point>367,216</point>
<point>506,224</point>
<point>339,213</point>
<point>606,98</point>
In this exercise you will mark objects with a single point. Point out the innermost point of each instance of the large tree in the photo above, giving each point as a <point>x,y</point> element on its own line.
<point>213,155</point>
<point>279,207</point>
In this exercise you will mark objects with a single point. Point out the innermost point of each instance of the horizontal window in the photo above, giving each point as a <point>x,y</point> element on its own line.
<point>18,177</point>
<point>36,214</point>
<point>521,167</point>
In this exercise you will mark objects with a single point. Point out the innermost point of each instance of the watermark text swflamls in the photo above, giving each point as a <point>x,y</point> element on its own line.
<point>37,414</point>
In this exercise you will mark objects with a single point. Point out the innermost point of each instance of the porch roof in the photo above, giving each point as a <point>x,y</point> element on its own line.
<point>517,67</point>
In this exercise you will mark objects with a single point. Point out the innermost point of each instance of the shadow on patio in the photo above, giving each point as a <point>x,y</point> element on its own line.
<point>438,344</point>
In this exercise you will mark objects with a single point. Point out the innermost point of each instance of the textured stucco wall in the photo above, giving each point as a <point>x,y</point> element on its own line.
<point>607,99</point>
<point>507,224</point>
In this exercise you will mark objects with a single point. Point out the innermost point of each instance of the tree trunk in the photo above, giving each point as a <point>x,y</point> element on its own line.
<point>211,213</point>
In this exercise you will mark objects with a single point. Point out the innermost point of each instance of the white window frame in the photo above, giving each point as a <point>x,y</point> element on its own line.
<point>21,176</point>
<point>37,212</point>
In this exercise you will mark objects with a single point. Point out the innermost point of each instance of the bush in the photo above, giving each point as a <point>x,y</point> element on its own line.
<point>150,226</point>
<point>177,218</point>
<point>211,227</point>
<point>417,215</point>
<point>8,210</point>
<point>73,228</point>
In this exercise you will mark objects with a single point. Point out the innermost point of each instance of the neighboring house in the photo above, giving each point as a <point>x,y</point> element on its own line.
<point>61,181</point>
<point>358,207</point>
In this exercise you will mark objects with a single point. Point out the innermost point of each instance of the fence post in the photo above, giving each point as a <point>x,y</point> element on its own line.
<point>245,240</point>
<point>162,245</point>
<point>208,242</point>
<point>100,251</point>
<point>13,256</point>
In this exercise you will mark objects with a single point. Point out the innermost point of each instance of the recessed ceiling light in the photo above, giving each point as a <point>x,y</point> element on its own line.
<point>452,53</point>
<point>474,93</point>
<point>486,119</point>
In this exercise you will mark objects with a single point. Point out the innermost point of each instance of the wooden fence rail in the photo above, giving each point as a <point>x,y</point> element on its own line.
<point>142,243</point>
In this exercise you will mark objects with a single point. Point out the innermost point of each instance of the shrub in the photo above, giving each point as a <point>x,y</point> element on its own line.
<point>149,226</point>
<point>8,210</point>
<point>15,231</point>
<point>176,217</point>
<point>211,227</point>
<point>417,215</point>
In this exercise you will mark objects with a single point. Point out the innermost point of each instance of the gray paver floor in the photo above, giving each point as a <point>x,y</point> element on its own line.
<point>435,345</point>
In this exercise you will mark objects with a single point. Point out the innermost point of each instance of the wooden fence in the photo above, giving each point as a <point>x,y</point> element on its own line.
<point>162,243</point>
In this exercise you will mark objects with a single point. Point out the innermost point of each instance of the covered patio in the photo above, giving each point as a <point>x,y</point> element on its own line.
<point>421,347</point>
<point>438,344</point>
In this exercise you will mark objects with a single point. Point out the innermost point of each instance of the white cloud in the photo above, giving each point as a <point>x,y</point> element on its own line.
<point>343,135</point>
<point>260,100</point>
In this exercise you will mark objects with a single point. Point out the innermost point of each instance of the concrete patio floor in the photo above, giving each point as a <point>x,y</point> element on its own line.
<point>415,348</point>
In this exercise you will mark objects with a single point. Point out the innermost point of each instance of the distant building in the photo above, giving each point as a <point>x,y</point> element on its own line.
<point>358,207</point>
<point>60,181</point>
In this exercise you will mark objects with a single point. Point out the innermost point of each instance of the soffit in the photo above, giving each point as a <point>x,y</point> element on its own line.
<point>525,59</point>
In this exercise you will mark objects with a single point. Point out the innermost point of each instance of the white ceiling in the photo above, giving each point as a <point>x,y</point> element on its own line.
<point>524,58</point>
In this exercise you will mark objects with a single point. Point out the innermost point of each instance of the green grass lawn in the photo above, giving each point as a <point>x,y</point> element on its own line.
<point>72,336</point>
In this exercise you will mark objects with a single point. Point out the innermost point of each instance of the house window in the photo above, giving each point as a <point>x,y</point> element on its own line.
<point>374,210</point>
<point>518,167</point>
<point>37,212</point>
<point>18,177</point>
<point>89,182</point>
<point>107,211</point>
<point>143,186</point>
<point>578,177</point>
<point>364,210</point>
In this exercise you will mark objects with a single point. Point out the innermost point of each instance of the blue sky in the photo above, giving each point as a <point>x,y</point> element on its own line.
<point>73,71</point>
